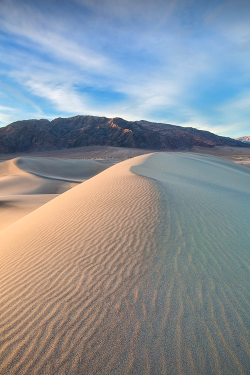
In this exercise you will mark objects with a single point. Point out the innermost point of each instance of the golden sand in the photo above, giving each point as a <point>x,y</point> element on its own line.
<point>142,269</point>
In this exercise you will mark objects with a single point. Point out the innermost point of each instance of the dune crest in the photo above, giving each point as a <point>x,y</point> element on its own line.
<point>143,269</point>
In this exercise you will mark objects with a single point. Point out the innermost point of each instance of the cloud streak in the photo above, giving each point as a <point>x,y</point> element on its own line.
<point>175,62</point>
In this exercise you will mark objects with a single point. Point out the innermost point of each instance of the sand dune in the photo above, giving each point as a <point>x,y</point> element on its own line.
<point>242,160</point>
<point>62,169</point>
<point>86,152</point>
<point>114,153</point>
<point>142,269</point>
<point>15,207</point>
<point>27,183</point>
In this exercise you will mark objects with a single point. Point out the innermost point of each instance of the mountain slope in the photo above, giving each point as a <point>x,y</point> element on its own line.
<point>245,139</point>
<point>61,133</point>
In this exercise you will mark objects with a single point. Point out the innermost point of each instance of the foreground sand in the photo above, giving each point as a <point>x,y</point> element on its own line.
<point>142,269</point>
<point>27,183</point>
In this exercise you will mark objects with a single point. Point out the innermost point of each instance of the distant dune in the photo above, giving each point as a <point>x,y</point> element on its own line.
<point>113,154</point>
<point>141,269</point>
<point>26,183</point>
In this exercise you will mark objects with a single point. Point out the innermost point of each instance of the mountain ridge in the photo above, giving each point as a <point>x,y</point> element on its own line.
<point>62,133</point>
<point>245,139</point>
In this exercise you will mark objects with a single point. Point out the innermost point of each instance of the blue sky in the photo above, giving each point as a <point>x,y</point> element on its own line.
<point>183,62</point>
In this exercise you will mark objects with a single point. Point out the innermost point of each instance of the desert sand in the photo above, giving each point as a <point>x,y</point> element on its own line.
<point>26,183</point>
<point>85,152</point>
<point>113,153</point>
<point>242,160</point>
<point>141,269</point>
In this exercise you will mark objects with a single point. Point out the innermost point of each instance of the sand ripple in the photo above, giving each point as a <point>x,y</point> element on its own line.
<point>143,269</point>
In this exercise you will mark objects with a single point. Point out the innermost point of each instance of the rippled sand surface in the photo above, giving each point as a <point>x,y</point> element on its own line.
<point>142,269</point>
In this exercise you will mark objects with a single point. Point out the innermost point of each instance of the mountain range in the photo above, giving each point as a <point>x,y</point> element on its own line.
<point>245,139</point>
<point>77,131</point>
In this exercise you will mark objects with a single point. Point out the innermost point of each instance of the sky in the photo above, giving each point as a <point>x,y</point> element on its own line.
<point>181,62</point>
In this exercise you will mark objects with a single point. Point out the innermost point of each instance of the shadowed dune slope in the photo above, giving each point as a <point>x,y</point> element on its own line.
<point>62,169</point>
<point>27,183</point>
<point>142,269</point>
<point>26,175</point>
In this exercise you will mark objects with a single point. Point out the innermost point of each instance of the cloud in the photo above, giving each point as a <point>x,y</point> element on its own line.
<point>63,97</point>
<point>236,114</point>
<point>6,114</point>
<point>49,34</point>
<point>174,62</point>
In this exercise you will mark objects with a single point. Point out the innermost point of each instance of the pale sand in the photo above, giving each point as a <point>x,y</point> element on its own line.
<point>27,183</point>
<point>242,160</point>
<point>116,153</point>
<point>85,152</point>
<point>142,269</point>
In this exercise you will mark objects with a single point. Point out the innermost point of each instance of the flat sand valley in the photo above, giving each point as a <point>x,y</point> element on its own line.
<point>115,262</point>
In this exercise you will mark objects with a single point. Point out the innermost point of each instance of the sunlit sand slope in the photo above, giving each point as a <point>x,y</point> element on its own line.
<point>27,183</point>
<point>143,269</point>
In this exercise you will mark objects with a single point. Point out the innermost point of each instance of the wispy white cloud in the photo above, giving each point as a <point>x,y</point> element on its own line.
<point>63,96</point>
<point>6,114</point>
<point>47,33</point>
<point>164,58</point>
<point>236,114</point>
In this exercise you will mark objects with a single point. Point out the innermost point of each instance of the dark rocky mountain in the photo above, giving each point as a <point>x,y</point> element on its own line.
<point>244,139</point>
<point>61,133</point>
